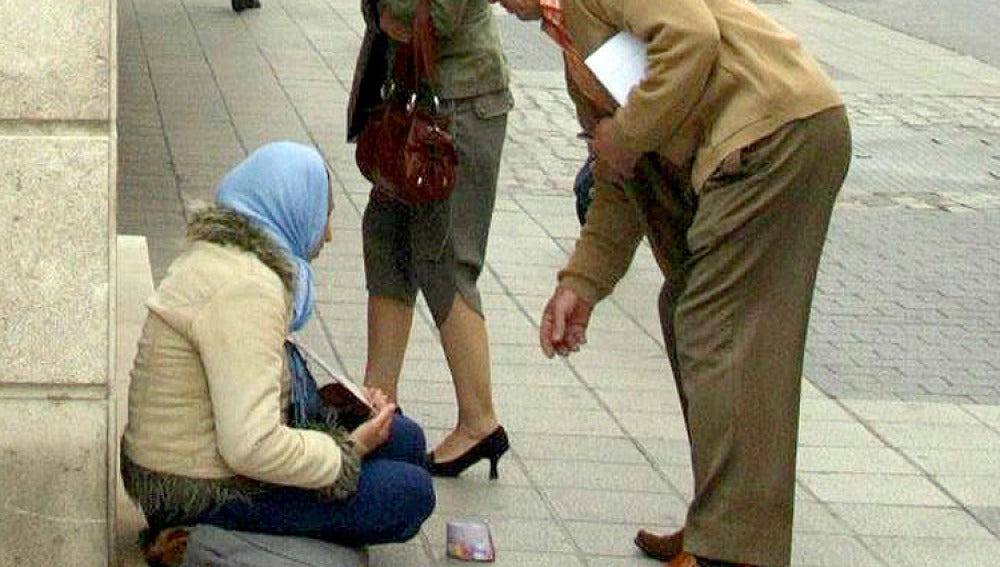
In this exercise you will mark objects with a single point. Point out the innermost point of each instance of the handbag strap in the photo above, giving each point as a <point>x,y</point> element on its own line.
<point>424,43</point>
<point>416,60</point>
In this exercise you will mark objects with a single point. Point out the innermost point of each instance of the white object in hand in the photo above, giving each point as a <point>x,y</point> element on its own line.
<point>619,63</point>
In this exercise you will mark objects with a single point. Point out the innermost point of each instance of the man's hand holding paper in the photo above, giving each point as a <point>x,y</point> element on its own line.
<point>620,63</point>
<point>614,162</point>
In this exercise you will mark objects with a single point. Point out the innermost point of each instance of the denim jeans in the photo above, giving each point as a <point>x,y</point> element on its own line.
<point>394,497</point>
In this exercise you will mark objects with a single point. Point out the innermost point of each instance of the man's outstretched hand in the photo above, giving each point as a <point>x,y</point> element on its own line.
<point>564,323</point>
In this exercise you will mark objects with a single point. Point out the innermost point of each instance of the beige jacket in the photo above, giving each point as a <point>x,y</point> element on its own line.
<point>210,380</point>
<point>722,74</point>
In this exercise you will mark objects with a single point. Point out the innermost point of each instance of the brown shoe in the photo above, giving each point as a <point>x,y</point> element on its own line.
<point>685,559</point>
<point>682,559</point>
<point>662,547</point>
<point>166,549</point>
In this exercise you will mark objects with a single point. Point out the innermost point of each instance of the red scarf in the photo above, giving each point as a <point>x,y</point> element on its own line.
<point>581,75</point>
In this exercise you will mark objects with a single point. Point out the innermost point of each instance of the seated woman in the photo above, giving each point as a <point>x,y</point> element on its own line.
<point>208,439</point>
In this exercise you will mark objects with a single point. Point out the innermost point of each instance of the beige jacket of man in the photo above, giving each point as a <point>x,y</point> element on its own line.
<point>722,75</point>
<point>210,380</point>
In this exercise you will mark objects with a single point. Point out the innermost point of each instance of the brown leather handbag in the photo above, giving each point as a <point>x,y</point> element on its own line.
<point>404,147</point>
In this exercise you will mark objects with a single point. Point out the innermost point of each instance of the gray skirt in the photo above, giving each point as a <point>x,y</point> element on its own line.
<point>438,249</point>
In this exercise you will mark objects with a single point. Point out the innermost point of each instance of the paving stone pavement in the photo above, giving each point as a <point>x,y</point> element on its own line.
<point>900,441</point>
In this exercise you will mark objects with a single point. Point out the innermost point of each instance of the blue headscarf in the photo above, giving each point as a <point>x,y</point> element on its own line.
<point>282,188</point>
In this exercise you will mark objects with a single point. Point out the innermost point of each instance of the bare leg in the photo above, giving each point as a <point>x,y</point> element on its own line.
<point>466,347</point>
<point>389,323</point>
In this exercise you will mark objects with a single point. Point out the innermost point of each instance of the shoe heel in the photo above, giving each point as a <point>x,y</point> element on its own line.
<point>499,445</point>
<point>492,447</point>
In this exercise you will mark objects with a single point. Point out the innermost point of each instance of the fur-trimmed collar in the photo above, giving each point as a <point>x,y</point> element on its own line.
<point>228,228</point>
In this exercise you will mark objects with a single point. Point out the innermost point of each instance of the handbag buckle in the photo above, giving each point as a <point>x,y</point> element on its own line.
<point>388,89</point>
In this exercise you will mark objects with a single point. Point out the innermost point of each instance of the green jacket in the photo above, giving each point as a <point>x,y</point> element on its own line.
<point>470,56</point>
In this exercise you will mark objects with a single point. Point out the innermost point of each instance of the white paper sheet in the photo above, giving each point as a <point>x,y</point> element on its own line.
<point>620,64</point>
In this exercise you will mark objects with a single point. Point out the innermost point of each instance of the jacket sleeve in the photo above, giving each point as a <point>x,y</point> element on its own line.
<point>606,245</point>
<point>240,334</point>
<point>682,45</point>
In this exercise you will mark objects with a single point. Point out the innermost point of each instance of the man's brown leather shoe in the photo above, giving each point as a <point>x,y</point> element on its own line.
<point>662,547</point>
<point>684,559</point>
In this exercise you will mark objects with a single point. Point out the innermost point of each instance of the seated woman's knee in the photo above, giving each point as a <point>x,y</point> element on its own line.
<point>413,494</point>
<point>410,438</point>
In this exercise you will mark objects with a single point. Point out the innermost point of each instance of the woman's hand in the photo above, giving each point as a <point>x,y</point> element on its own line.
<point>376,398</point>
<point>564,323</point>
<point>375,431</point>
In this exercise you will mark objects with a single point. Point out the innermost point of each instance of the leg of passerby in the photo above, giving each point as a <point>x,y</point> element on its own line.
<point>466,347</point>
<point>452,294</point>
<point>666,546</point>
<point>741,326</point>
<point>668,219</point>
<point>668,223</point>
<point>389,324</point>
<point>391,290</point>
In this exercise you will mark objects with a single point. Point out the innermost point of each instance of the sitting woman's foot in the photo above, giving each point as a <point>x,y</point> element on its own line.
<point>460,450</point>
<point>165,549</point>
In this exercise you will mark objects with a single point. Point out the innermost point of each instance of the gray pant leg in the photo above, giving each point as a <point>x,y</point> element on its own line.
<point>480,126</point>
<point>439,248</point>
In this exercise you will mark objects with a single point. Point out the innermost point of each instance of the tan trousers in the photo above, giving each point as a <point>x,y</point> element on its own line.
<point>735,307</point>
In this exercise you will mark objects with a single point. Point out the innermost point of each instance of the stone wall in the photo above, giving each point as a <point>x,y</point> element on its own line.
<point>57,223</point>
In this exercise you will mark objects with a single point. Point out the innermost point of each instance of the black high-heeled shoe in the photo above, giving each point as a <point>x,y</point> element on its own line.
<point>240,5</point>
<point>491,447</point>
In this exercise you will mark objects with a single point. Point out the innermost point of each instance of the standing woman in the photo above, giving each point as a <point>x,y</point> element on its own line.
<point>438,248</point>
